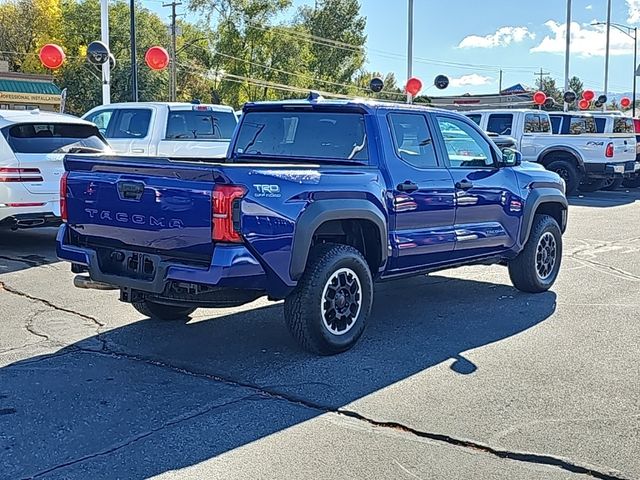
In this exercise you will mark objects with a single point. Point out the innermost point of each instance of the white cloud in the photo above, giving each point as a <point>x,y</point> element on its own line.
<point>470,80</point>
<point>504,36</point>
<point>589,7</point>
<point>586,40</point>
<point>633,9</point>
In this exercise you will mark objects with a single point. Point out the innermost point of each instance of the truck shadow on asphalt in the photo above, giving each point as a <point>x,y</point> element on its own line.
<point>604,199</point>
<point>160,396</point>
<point>23,249</point>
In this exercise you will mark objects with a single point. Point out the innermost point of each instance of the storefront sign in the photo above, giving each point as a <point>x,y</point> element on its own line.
<point>34,98</point>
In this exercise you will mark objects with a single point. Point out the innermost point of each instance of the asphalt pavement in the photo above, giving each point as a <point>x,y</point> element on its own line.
<point>459,376</point>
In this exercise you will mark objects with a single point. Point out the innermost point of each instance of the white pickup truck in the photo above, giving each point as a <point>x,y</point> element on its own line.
<point>164,129</point>
<point>584,160</point>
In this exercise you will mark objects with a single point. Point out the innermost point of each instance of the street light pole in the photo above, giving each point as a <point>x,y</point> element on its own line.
<point>106,66</point>
<point>606,61</point>
<point>410,47</point>
<point>635,66</point>
<point>134,65</point>
<point>566,53</point>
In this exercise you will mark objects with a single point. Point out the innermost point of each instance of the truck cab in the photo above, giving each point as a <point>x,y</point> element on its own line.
<point>177,130</point>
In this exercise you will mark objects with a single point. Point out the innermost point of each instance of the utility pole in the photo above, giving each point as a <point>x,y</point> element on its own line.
<point>606,61</point>
<point>566,53</point>
<point>410,47</point>
<point>500,84</point>
<point>134,63</point>
<point>173,83</point>
<point>542,74</point>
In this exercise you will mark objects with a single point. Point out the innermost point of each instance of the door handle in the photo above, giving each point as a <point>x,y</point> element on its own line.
<point>137,150</point>
<point>407,186</point>
<point>464,184</point>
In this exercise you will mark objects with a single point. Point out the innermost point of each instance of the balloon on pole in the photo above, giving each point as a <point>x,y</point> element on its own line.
<point>413,87</point>
<point>441,82</point>
<point>376,84</point>
<point>539,98</point>
<point>157,58</point>
<point>569,96</point>
<point>625,102</point>
<point>97,53</point>
<point>584,104</point>
<point>51,56</point>
<point>588,95</point>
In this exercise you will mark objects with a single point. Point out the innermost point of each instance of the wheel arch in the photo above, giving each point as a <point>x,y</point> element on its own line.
<point>543,201</point>
<point>554,153</point>
<point>355,221</point>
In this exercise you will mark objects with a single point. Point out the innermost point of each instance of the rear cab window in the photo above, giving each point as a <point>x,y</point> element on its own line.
<point>200,123</point>
<point>54,138</point>
<point>302,135</point>
<point>623,125</point>
<point>579,125</point>
<point>500,123</point>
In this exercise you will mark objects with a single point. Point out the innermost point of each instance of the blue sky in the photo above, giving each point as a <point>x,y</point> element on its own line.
<point>471,40</point>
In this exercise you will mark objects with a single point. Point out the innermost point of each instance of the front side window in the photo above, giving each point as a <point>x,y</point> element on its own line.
<point>466,147</point>
<point>101,119</point>
<point>580,125</point>
<point>500,123</point>
<point>54,138</point>
<point>536,123</point>
<point>623,125</point>
<point>412,139</point>
<point>475,118</point>
<point>200,124</point>
<point>131,123</point>
<point>303,134</point>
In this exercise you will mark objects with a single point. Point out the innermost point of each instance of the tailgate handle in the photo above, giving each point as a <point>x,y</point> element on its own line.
<point>130,190</point>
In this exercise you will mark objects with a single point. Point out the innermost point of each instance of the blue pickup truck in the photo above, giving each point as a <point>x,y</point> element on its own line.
<point>316,200</point>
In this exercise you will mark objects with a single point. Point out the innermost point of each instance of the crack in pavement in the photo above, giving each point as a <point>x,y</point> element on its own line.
<point>125,443</point>
<point>614,271</point>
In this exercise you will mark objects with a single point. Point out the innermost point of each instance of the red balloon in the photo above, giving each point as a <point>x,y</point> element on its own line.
<point>625,102</point>
<point>584,104</point>
<point>539,98</point>
<point>414,85</point>
<point>156,58</point>
<point>588,95</point>
<point>51,56</point>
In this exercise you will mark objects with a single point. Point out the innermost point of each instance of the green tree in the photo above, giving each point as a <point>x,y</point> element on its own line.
<point>576,86</point>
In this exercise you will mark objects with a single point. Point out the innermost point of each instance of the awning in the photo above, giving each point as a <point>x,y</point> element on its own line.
<point>28,91</point>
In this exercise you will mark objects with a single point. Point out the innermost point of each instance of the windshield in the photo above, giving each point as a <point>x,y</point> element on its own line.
<point>55,138</point>
<point>312,135</point>
<point>200,124</point>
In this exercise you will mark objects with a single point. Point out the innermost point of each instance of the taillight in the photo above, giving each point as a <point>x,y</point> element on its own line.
<point>63,197</point>
<point>20,175</point>
<point>609,151</point>
<point>226,213</point>
<point>636,124</point>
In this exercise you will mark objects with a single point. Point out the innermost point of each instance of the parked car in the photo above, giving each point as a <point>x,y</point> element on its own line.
<point>178,130</point>
<point>317,200</point>
<point>32,147</point>
<point>583,161</point>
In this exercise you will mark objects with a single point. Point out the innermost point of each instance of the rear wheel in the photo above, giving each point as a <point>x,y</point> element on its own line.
<point>328,310</point>
<point>589,185</point>
<point>612,183</point>
<point>569,172</point>
<point>536,267</point>
<point>159,311</point>
<point>633,182</point>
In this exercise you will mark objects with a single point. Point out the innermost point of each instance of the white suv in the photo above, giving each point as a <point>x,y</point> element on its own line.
<point>32,147</point>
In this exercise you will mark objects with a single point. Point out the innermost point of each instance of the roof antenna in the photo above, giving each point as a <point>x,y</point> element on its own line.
<point>314,96</point>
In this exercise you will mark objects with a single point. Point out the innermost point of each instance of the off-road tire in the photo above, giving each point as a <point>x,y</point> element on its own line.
<point>158,311</point>
<point>632,182</point>
<point>569,173</point>
<point>304,307</point>
<point>612,183</point>
<point>523,270</point>
<point>589,185</point>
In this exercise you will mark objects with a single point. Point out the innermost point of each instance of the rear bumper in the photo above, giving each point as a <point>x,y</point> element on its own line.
<point>611,169</point>
<point>30,220</point>
<point>232,266</point>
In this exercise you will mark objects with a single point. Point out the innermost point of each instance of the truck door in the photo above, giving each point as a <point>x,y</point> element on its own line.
<point>488,205</point>
<point>421,201</point>
<point>128,130</point>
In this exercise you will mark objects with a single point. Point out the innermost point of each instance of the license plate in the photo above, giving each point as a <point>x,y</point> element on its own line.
<point>618,168</point>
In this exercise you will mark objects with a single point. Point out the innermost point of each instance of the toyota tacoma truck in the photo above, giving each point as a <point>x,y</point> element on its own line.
<point>316,200</point>
<point>584,158</point>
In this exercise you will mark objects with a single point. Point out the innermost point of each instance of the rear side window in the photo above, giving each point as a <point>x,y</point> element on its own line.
<point>556,122</point>
<point>536,123</point>
<point>54,138</point>
<point>412,139</point>
<point>500,123</point>
<point>623,125</point>
<point>580,125</point>
<point>202,125</point>
<point>131,123</point>
<point>307,135</point>
<point>475,118</point>
<point>601,124</point>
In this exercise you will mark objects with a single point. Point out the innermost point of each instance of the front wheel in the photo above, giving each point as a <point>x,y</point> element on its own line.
<point>159,311</point>
<point>536,267</point>
<point>328,310</point>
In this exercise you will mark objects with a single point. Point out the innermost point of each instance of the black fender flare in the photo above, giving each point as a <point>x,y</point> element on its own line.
<point>537,197</point>
<point>322,211</point>
<point>562,149</point>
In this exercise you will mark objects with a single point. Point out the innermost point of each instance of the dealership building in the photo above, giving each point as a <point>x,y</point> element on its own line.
<point>517,96</point>
<point>20,91</point>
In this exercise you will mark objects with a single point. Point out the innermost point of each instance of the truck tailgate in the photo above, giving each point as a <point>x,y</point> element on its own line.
<point>146,204</point>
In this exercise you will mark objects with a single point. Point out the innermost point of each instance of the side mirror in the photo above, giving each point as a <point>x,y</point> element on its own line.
<point>511,157</point>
